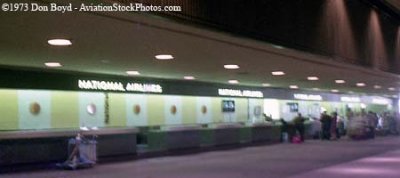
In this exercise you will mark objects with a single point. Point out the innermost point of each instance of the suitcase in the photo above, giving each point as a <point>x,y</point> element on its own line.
<point>87,156</point>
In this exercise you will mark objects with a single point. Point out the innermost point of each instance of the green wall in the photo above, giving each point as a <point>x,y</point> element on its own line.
<point>189,110</point>
<point>64,109</point>
<point>8,110</point>
<point>155,111</point>
<point>216,110</point>
<point>117,113</point>
<point>241,109</point>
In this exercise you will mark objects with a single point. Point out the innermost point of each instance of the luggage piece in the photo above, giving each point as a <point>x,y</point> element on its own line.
<point>84,158</point>
<point>296,139</point>
<point>88,151</point>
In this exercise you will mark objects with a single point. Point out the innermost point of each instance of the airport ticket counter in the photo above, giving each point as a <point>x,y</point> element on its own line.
<point>212,135</point>
<point>19,147</point>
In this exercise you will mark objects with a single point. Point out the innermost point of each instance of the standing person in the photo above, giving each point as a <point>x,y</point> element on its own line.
<point>326,126</point>
<point>393,124</point>
<point>284,131</point>
<point>340,127</point>
<point>371,124</point>
<point>333,128</point>
<point>299,125</point>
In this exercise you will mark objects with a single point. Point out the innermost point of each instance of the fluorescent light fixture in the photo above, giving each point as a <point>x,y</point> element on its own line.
<point>377,87</point>
<point>391,89</point>
<point>164,57</point>
<point>360,84</point>
<point>233,81</point>
<point>316,89</point>
<point>293,87</point>
<point>334,90</point>
<point>59,42</point>
<point>312,78</point>
<point>105,61</point>
<point>278,46</point>
<point>52,64</point>
<point>340,81</point>
<point>266,85</point>
<point>133,72</point>
<point>278,73</point>
<point>231,66</point>
<point>189,77</point>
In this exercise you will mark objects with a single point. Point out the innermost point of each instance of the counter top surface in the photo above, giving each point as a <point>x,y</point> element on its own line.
<point>26,134</point>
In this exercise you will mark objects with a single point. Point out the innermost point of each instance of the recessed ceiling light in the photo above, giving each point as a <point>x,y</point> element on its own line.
<point>233,81</point>
<point>360,84</point>
<point>105,61</point>
<point>312,78</point>
<point>293,87</point>
<point>334,90</point>
<point>59,42</point>
<point>266,85</point>
<point>391,89</point>
<point>52,64</point>
<point>340,81</point>
<point>231,66</point>
<point>377,87</point>
<point>164,57</point>
<point>278,73</point>
<point>133,72</point>
<point>189,77</point>
<point>278,46</point>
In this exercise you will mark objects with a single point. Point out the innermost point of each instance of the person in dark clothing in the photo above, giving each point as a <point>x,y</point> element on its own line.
<point>326,126</point>
<point>284,130</point>
<point>334,131</point>
<point>299,125</point>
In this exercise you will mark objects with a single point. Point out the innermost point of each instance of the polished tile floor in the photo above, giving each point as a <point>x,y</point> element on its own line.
<point>378,158</point>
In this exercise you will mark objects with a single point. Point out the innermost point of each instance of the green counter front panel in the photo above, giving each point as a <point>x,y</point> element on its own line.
<point>156,141</point>
<point>266,133</point>
<point>227,136</point>
<point>307,131</point>
<point>275,133</point>
<point>207,137</point>
<point>245,134</point>
<point>50,146</point>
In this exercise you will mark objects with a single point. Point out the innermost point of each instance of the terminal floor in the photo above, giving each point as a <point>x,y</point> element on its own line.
<point>378,158</point>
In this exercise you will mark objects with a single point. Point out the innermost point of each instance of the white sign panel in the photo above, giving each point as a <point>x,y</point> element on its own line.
<point>118,86</point>
<point>381,101</point>
<point>350,99</point>
<point>307,97</point>
<point>242,93</point>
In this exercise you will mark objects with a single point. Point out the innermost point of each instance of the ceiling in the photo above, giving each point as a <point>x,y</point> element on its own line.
<point>394,3</point>
<point>113,43</point>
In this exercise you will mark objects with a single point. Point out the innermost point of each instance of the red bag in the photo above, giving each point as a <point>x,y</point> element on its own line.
<point>296,139</point>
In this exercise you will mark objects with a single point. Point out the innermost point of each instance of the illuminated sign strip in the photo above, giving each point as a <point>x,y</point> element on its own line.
<point>381,101</point>
<point>118,86</point>
<point>241,93</point>
<point>307,97</point>
<point>350,99</point>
